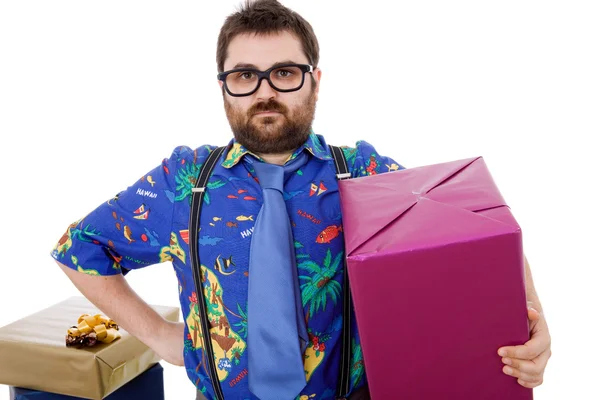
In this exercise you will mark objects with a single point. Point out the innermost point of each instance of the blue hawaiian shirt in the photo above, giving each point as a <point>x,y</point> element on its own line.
<point>148,224</point>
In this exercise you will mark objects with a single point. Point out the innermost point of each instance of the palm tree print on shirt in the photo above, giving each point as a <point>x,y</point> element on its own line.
<point>320,285</point>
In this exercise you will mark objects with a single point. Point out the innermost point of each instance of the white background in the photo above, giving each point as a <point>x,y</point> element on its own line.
<point>94,94</point>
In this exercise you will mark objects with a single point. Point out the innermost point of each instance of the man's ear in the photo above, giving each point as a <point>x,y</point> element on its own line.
<point>317,75</point>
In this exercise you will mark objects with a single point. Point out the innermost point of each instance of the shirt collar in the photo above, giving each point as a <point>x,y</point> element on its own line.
<point>315,144</point>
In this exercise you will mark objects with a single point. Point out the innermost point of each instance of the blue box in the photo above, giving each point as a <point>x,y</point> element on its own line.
<point>148,386</point>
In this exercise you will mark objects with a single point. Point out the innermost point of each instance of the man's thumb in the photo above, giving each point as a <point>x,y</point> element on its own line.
<point>533,314</point>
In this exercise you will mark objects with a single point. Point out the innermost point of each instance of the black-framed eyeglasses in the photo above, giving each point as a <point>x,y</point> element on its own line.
<point>283,78</point>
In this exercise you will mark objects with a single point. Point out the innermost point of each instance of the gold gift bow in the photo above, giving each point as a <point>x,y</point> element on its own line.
<point>106,329</point>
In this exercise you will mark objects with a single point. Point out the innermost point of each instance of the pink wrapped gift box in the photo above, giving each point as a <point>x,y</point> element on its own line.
<point>436,268</point>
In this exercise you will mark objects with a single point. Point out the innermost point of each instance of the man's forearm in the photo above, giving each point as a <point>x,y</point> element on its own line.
<point>115,298</point>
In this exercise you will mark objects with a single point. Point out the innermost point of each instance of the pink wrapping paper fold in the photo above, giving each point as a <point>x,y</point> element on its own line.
<point>435,261</point>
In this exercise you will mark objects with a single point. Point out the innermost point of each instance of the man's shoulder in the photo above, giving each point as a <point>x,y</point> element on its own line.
<point>182,155</point>
<point>360,149</point>
<point>363,160</point>
<point>184,152</point>
<point>349,151</point>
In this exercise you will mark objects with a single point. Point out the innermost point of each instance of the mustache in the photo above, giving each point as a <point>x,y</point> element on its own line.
<point>270,105</point>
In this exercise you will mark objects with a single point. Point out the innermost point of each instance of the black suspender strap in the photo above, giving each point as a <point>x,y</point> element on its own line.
<point>343,388</point>
<point>197,199</point>
<point>341,168</point>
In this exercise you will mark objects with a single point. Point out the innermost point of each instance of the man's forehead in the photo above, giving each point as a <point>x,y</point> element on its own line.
<point>276,64</point>
<point>264,51</point>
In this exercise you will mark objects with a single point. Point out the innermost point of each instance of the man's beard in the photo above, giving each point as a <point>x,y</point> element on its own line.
<point>268,135</point>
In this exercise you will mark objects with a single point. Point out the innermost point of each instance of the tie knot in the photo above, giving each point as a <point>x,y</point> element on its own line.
<point>272,176</point>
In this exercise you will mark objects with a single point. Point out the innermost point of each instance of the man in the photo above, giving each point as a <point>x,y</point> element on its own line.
<point>267,60</point>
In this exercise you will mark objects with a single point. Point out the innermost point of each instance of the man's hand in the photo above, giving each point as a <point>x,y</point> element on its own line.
<point>168,342</point>
<point>528,362</point>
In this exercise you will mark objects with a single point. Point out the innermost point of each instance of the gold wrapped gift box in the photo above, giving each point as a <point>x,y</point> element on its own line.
<point>33,353</point>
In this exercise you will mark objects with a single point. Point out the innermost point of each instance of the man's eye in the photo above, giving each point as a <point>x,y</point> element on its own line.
<point>283,73</point>
<point>246,75</point>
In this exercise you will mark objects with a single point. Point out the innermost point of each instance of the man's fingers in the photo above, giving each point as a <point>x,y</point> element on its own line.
<point>528,351</point>
<point>534,367</point>
<point>527,362</point>
<point>530,385</point>
<point>529,374</point>
<point>524,379</point>
<point>523,376</point>
<point>539,342</point>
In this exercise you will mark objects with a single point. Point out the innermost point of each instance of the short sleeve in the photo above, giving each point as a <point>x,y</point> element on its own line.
<point>129,231</point>
<point>363,160</point>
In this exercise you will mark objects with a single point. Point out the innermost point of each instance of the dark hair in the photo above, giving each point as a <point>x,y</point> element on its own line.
<point>264,17</point>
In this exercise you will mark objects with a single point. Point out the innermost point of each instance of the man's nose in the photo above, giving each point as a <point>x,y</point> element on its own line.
<point>265,91</point>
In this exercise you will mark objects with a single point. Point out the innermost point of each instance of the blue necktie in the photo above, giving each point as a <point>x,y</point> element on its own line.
<point>277,335</point>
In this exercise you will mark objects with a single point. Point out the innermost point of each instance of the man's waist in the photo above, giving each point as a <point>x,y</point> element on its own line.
<point>361,393</point>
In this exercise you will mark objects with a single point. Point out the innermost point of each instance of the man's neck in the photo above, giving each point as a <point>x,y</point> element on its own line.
<point>278,159</point>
